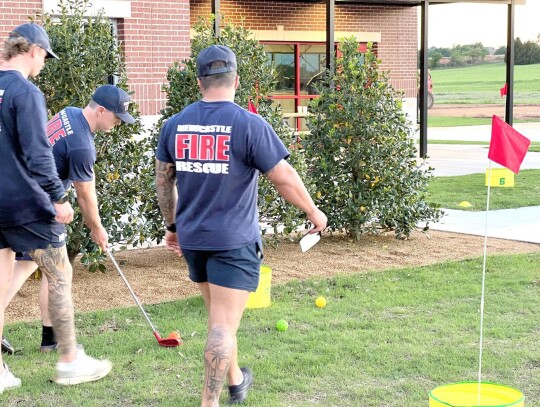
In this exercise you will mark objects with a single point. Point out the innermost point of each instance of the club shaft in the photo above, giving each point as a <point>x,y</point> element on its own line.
<point>131,291</point>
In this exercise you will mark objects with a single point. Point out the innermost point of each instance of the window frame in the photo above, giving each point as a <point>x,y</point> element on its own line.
<point>297,115</point>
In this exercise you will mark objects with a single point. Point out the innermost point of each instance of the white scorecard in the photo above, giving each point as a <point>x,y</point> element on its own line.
<point>308,241</point>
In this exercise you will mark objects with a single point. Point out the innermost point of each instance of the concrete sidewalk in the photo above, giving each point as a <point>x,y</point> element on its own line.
<point>521,224</point>
<point>480,133</point>
<point>462,159</point>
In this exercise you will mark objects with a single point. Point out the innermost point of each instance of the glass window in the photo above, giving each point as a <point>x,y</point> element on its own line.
<point>312,67</point>
<point>283,58</point>
<point>300,67</point>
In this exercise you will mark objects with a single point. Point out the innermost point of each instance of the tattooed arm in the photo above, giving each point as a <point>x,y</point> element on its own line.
<point>167,197</point>
<point>166,190</point>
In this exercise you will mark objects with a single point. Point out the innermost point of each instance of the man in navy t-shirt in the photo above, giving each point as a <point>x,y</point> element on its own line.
<point>212,153</point>
<point>33,200</point>
<point>71,134</point>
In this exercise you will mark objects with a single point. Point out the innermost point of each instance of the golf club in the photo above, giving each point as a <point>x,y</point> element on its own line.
<point>167,342</point>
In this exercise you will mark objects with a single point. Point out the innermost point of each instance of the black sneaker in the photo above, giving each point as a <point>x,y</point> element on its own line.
<point>6,347</point>
<point>238,393</point>
<point>48,347</point>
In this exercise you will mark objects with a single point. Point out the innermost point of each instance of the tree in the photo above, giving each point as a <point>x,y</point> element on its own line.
<point>477,52</point>
<point>501,50</point>
<point>527,53</point>
<point>445,52</point>
<point>434,59</point>
<point>258,79</point>
<point>361,154</point>
<point>124,171</point>
<point>468,54</point>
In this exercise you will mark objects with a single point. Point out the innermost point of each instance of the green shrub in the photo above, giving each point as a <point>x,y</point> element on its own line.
<point>124,171</point>
<point>257,81</point>
<point>361,154</point>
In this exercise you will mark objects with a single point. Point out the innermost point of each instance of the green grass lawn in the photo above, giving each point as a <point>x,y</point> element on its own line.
<point>384,339</point>
<point>533,148</point>
<point>450,191</point>
<point>448,121</point>
<point>480,84</point>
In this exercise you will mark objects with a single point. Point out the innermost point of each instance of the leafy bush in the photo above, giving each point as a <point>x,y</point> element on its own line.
<point>124,172</point>
<point>257,81</point>
<point>361,153</point>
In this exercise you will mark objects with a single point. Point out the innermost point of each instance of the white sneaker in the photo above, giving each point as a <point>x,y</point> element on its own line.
<point>83,369</point>
<point>8,381</point>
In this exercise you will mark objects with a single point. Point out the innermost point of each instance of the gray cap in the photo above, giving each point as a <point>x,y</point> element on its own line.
<point>35,35</point>
<point>212,54</point>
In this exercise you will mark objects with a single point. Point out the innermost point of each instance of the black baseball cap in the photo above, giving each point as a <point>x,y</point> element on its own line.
<point>114,99</point>
<point>212,54</point>
<point>35,35</point>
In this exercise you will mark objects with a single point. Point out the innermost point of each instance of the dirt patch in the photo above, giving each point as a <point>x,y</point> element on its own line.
<point>521,112</point>
<point>157,275</point>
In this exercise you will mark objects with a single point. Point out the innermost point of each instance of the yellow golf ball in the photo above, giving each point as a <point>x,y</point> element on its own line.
<point>320,302</point>
<point>282,325</point>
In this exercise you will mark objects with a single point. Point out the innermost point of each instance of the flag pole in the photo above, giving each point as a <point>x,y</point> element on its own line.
<point>482,298</point>
<point>508,148</point>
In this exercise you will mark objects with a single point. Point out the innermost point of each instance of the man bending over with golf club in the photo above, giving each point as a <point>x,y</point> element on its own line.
<point>33,202</point>
<point>213,151</point>
<point>71,133</point>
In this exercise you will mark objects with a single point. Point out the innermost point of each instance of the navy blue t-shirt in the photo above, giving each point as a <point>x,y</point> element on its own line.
<point>218,148</point>
<point>29,182</point>
<point>73,146</point>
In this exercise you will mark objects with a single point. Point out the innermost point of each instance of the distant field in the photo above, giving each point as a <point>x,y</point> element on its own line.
<point>480,84</point>
<point>451,121</point>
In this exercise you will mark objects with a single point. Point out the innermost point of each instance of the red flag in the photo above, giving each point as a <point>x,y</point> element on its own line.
<point>252,108</point>
<point>507,147</point>
<point>504,90</point>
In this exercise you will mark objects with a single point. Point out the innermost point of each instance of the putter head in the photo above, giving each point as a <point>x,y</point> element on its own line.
<point>167,342</point>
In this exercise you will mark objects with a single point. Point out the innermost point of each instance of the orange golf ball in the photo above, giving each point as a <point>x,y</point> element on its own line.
<point>174,335</point>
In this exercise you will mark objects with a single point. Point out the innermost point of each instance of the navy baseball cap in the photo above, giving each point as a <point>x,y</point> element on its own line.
<point>36,35</point>
<point>114,99</point>
<point>212,54</point>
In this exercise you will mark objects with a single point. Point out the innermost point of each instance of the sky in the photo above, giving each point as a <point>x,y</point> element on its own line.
<point>452,24</point>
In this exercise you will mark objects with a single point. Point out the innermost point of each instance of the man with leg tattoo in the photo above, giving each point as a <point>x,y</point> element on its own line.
<point>33,201</point>
<point>213,152</point>
<point>71,133</point>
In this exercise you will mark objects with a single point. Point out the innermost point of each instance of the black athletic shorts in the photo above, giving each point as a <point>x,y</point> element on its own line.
<point>237,268</point>
<point>23,256</point>
<point>32,236</point>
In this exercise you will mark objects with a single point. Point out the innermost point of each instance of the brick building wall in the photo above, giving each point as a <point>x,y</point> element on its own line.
<point>397,26</point>
<point>13,13</point>
<point>156,35</point>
